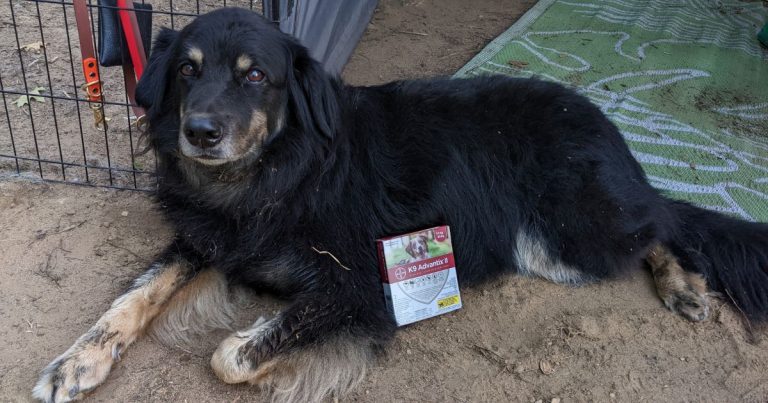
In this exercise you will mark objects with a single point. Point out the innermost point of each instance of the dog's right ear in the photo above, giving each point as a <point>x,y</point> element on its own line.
<point>313,94</point>
<point>409,249</point>
<point>154,80</point>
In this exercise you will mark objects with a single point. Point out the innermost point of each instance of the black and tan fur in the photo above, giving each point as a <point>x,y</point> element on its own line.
<point>279,178</point>
<point>87,363</point>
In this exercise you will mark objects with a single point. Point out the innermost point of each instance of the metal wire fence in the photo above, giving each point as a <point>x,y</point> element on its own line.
<point>48,132</point>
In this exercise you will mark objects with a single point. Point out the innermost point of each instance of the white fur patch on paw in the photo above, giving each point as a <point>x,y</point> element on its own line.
<point>229,362</point>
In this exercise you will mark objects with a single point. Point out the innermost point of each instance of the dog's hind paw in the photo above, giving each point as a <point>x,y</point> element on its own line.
<point>688,303</point>
<point>682,291</point>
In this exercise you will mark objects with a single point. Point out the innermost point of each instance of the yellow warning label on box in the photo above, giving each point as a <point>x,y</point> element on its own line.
<point>448,301</point>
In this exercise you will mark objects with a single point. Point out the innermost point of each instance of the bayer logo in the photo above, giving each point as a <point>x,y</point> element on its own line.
<point>400,273</point>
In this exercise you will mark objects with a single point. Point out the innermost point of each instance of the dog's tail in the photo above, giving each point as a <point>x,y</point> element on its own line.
<point>732,255</point>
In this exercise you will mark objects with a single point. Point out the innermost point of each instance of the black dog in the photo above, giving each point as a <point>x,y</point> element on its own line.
<point>266,161</point>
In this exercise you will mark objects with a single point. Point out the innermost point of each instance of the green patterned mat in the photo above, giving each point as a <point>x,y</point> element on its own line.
<point>686,81</point>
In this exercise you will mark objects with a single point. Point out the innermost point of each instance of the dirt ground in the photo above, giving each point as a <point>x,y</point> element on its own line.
<point>68,251</point>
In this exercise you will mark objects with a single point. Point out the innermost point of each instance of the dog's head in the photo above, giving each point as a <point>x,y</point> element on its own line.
<point>417,247</point>
<point>226,85</point>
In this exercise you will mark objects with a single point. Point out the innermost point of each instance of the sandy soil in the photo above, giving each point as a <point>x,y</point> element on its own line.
<point>68,251</point>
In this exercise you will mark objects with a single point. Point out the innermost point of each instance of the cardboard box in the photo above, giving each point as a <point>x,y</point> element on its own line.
<point>419,274</point>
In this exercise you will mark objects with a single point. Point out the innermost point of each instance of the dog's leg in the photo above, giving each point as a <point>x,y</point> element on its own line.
<point>204,304</point>
<point>87,363</point>
<point>682,292</point>
<point>306,353</point>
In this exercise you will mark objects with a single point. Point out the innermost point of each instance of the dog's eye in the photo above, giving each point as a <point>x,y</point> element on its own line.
<point>187,69</point>
<point>254,75</point>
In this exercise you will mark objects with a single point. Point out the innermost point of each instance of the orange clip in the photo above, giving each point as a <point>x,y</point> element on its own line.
<point>93,83</point>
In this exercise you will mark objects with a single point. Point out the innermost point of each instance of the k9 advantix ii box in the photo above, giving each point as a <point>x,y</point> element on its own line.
<point>419,274</point>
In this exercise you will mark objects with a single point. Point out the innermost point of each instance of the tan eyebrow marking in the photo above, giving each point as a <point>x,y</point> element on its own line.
<point>196,55</point>
<point>243,62</point>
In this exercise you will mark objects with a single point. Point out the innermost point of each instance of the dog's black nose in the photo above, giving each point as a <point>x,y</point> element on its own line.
<point>202,132</point>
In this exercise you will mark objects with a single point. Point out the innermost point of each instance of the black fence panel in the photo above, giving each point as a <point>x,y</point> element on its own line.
<point>46,124</point>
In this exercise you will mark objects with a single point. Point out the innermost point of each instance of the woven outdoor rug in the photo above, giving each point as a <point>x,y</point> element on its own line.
<point>686,82</point>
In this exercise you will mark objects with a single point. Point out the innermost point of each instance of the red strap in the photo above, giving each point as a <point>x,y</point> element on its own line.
<point>132,35</point>
<point>132,69</point>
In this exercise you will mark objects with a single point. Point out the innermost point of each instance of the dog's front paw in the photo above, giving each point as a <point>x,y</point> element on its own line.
<point>310,373</point>
<point>234,359</point>
<point>83,367</point>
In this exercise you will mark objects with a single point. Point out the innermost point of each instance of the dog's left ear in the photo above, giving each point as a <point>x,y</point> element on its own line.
<point>409,249</point>
<point>150,90</point>
<point>313,95</point>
